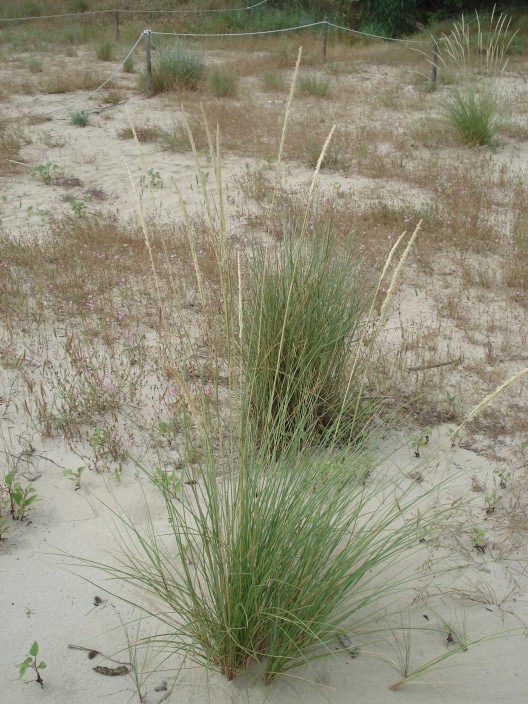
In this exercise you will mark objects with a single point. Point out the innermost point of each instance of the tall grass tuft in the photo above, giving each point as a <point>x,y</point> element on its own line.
<point>472,112</point>
<point>104,50</point>
<point>177,67</point>
<point>480,57</point>
<point>302,324</point>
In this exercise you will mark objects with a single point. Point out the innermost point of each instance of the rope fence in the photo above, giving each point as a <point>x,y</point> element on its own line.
<point>146,34</point>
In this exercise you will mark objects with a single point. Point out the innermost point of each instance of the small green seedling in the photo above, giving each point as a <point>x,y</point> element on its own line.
<point>46,171</point>
<point>491,501</point>
<point>167,481</point>
<point>20,497</point>
<point>31,663</point>
<point>78,206</point>
<point>503,475</point>
<point>152,178</point>
<point>75,476</point>
<point>479,539</point>
<point>421,441</point>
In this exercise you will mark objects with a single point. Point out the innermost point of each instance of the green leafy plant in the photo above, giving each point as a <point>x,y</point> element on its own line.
<point>151,178</point>
<point>46,171</point>
<point>79,119</point>
<point>20,497</point>
<point>77,205</point>
<point>75,476</point>
<point>30,663</point>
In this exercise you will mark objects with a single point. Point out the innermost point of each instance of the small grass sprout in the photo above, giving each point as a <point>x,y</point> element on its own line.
<point>421,441</point>
<point>30,663</point>
<point>491,500</point>
<point>503,475</point>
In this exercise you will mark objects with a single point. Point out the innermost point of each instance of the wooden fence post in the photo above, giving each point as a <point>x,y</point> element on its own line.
<point>116,22</point>
<point>325,38</point>
<point>436,53</point>
<point>150,90</point>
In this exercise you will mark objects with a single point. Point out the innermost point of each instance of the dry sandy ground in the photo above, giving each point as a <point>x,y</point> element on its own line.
<point>457,588</point>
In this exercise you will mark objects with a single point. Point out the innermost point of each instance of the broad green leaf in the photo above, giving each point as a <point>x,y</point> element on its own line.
<point>33,651</point>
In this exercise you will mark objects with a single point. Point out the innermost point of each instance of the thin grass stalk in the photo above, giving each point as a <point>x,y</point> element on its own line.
<point>285,126</point>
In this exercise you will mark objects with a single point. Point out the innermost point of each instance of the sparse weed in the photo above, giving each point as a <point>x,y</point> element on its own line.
<point>314,84</point>
<point>223,85</point>
<point>105,50</point>
<point>273,81</point>
<point>35,65</point>
<point>129,65</point>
